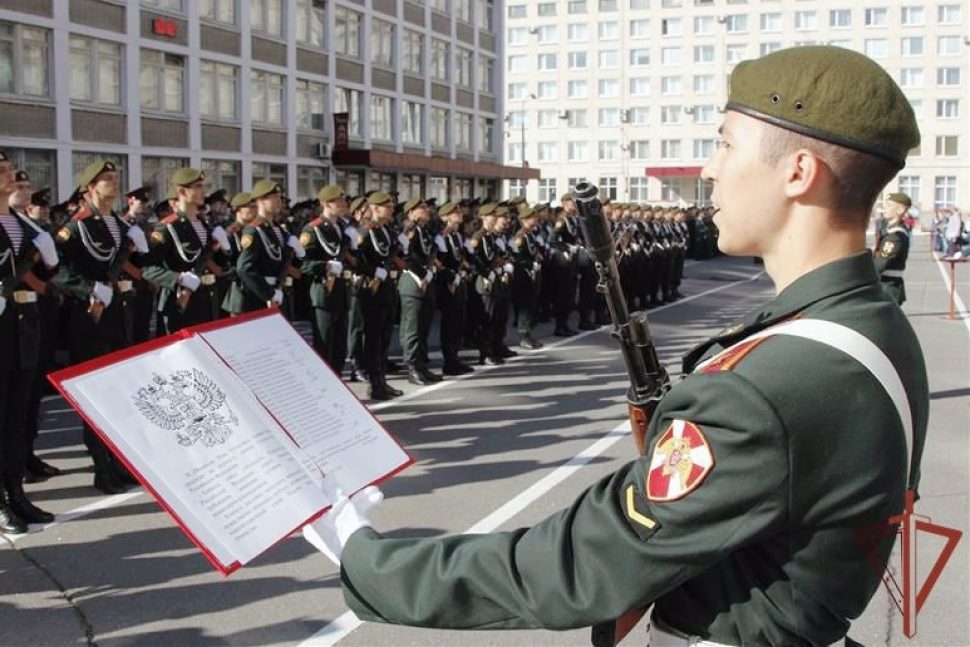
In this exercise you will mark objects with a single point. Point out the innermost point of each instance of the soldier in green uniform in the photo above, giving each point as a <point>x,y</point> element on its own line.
<point>241,205</point>
<point>266,253</point>
<point>143,301</point>
<point>893,248</point>
<point>24,247</point>
<point>739,523</point>
<point>416,292</point>
<point>323,240</point>
<point>563,240</point>
<point>350,226</point>
<point>95,248</point>
<point>525,277</point>
<point>182,265</point>
<point>452,287</point>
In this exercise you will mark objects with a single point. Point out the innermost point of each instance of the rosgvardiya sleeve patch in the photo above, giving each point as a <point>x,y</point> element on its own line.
<point>681,460</point>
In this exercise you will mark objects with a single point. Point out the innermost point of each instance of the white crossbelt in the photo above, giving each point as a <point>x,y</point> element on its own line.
<point>859,348</point>
<point>892,273</point>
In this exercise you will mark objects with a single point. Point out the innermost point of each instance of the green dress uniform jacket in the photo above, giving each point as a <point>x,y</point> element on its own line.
<point>176,248</point>
<point>803,447</point>
<point>890,258</point>
<point>324,242</point>
<point>258,267</point>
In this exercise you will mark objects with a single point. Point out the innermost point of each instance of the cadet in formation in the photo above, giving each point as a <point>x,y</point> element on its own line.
<point>893,247</point>
<point>739,523</point>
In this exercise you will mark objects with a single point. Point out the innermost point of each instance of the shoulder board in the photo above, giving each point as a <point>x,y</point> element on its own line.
<point>316,222</point>
<point>168,220</point>
<point>82,214</point>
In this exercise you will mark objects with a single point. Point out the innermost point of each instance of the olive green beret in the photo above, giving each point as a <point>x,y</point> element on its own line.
<point>412,203</point>
<point>172,193</point>
<point>93,170</point>
<point>501,212</point>
<point>517,199</point>
<point>901,198</point>
<point>565,196</point>
<point>329,192</point>
<point>487,209</point>
<point>378,197</point>
<point>527,212</point>
<point>241,199</point>
<point>264,188</point>
<point>187,176</point>
<point>828,93</point>
<point>355,204</point>
<point>447,208</point>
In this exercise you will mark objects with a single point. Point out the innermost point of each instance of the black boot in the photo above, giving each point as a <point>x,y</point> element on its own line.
<point>353,377</point>
<point>18,503</point>
<point>528,342</point>
<point>10,523</point>
<point>378,392</point>
<point>416,377</point>
<point>122,473</point>
<point>37,470</point>
<point>390,389</point>
<point>429,374</point>
<point>107,481</point>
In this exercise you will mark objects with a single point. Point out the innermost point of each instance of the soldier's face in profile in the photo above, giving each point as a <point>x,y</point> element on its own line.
<point>6,178</point>
<point>194,193</point>
<point>383,212</point>
<point>21,195</point>
<point>106,185</point>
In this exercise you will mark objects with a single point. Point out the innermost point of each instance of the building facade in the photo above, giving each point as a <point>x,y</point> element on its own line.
<point>247,89</point>
<point>627,94</point>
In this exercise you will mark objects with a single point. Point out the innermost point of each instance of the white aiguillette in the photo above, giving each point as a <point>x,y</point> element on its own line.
<point>232,426</point>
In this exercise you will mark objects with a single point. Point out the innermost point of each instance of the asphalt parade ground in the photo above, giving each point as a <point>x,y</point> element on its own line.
<point>497,449</point>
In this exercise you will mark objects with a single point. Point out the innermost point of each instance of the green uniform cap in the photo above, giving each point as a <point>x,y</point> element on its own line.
<point>173,193</point>
<point>378,197</point>
<point>501,211</point>
<point>828,93</point>
<point>447,208</point>
<point>264,188</point>
<point>901,198</point>
<point>487,209</point>
<point>527,212</point>
<point>355,204</point>
<point>241,199</point>
<point>187,176</point>
<point>517,200</point>
<point>412,203</point>
<point>93,170</point>
<point>329,192</point>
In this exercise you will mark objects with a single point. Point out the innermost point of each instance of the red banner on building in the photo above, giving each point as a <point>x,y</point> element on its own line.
<point>341,131</point>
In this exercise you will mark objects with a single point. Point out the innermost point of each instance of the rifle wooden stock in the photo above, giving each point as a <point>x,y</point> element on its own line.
<point>129,268</point>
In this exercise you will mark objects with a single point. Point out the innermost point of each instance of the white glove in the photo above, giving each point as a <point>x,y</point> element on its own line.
<point>45,245</point>
<point>277,296</point>
<point>380,273</point>
<point>335,267</point>
<point>405,243</point>
<point>491,277</point>
<point>455,281</point>
<point>137,236</point>
<point>293,243</point>
<point>330,533</point>
<point>509,268</point>
<point>427,277</point>
<point>440,242</point>
<point>573,249</point>
<point>536,266</point>
<point>219,235</point>
<point>3,304</point>
<point>468,247</point>
<point>190,280</point>
<point>102,293</point>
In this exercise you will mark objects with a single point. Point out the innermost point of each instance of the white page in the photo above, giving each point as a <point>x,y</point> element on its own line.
<point>205,445</point>
<point>321,414</point>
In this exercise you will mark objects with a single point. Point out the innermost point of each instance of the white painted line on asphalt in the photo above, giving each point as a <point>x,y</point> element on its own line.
<point>54,430</point>
<point>345,624</point>
<point>83,511</point>
<point>961,307</point>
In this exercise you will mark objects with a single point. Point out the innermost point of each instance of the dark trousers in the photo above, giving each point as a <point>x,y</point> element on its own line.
<point>355,328</point>
<point>587,291</point>
<point>330,336</point>
<point>377,311</point>
<point>452,305</point>
<point>524,298</point>
<point>565,294</point>
<point>497,308</point>
<point>16,382</point>
<point>199,309</point>
<point>142,311</point>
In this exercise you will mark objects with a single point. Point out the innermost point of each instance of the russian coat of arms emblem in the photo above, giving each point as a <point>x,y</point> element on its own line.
<point>189,403</point>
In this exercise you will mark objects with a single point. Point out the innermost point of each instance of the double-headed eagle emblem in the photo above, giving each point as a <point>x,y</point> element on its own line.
<point>189,403</point>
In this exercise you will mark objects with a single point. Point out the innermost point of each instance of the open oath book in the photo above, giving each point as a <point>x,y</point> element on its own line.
<point>233,427</point>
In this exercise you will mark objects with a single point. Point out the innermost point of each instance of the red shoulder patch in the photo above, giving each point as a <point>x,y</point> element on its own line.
<point>681,460</point>
<point>728,359</point>
<point>82,213</point>
<point>170,219</point>
<point>316,222</point>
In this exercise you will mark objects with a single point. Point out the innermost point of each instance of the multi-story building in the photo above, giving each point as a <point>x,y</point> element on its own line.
<point>627,93</point>
<point>247,89</point>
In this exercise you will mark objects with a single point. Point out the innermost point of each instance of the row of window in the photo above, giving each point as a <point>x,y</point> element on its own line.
<point>672,189</point>
<point>947,146</point>
<point>874,17</point>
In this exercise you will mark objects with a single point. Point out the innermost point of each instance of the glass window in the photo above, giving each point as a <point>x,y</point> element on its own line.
<point>484,14</point>
<point>639,4</point>
<point>640,86</point>
<point>578,89</point>
<point>486,73</point>
<point>347,32</point>
<point>576,118</point>
<point>381,42</point>
<point>703,149</point>
<point>463,67</point>
<point>838,19</point>
<point>768,48</point>
<point>439,59</point>
<point>736,23</point>
<point>736,53</point>
<point>310,100</point>
<point>309,22</point>
<point>911,77</point>
<point>95,71</point>
<point>547,118</point>
<point>266,16</point>
<point>517,90</point>
<point>548,151</point>
<point>266,98</point>
<point>876,47</point>
<point>547,34</point>
<point>218,90</point>
<point>704,114</point>
<point>609,30</point>
<point>607,187</point>
<point>547,8</point>
<point>910,185</point>
<point>640,149</point>
<point>578,33</point>
<point>577,60</point>
<point>911,16</point>
<point>671,85</point>
<point>275,172</point>
<point>609,58</point>
<point>670,149</point>
<point>547,90</point>
<point>949,45</point>
<point>609,150</point>
<point>517,36</point>
<point>703,53</point>
<point>948,108</point>
<point>640,28</point>
<point>638,188</point>
<point>703,84</point>
<point>518,63</point>
<point>609,5</point>
<point>576,6</point>
<point>547,62</point>
<point>669,115</point>
<point>486,134</point>
<point>167,5</point>
<point>161,81</point>
<point>917,106</point>
<point>609,88</point>
<point>381,117</point>
<point>877,17</point>
<point>703,25</point>
<point>771,22</point>
<point>672,27</point>
<point>225,174</point>
<point>640,57</point>
<point>24,56</point>
<point>439,126</point>
<point>948,76</point>
<point>946,145</point>
<point>945,191</point>
<point>668,56</point>
<point>639,116</point>
<point>412,43</point>
<point>578,151</point>
<point>158,171</point>
<point>609,117</point>
<point>806,20</point>
<point>308,180</point>
<point>412,122</point>
<point>948,14</point>
<point>517,11</point>
<point>912,46</point>
<point>547,190</point>
<point>223,11</point>
<point>515,153</point>
<point>351,102</point>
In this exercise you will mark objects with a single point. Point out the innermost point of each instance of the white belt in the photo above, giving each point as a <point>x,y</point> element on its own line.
<point>125,286</point>
<point>393,274</point>
<point>669,637</point>
<point>24,296</point>
<point>270,280</point>
<point>208,279</point>
<point>896,274</point>
<point>288,281</point>
<point>347,274</point>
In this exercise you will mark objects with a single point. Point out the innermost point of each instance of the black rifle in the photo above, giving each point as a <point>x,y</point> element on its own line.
<point>648,378</point>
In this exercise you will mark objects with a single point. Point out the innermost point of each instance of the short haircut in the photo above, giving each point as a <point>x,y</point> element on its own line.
<point>858,177</point>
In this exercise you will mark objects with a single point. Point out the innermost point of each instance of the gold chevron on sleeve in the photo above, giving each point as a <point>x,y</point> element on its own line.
<point>633,514</point>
